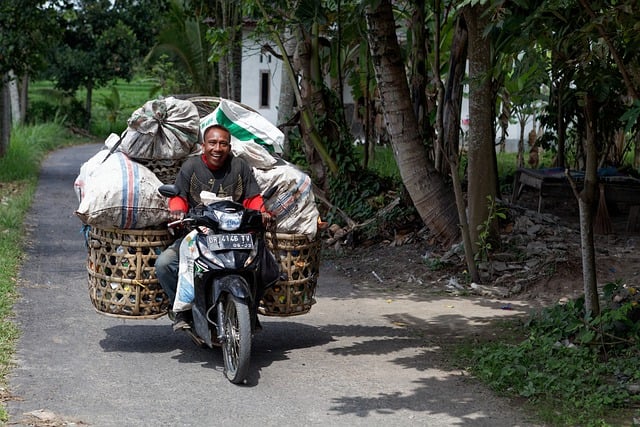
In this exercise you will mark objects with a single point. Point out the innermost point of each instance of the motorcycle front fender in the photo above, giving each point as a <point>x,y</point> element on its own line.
<point>232,284</point>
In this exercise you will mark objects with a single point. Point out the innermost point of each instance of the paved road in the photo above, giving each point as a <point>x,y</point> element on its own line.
<point>356,359</point>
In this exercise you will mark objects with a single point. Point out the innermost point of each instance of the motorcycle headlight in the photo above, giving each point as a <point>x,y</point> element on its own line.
<point>229,221</point>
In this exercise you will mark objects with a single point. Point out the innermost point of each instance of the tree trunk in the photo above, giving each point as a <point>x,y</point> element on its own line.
<point>452,105</point>
<point>586,204</point>
<point>418,72</point>
<point>88,101</point>
<point>24,96</point>
<point>432,198</point>
<point>481,151</point>
<point>15,99</point>
<point>287,95</point>
<point>236,68</point>
<point>520,158</point>
<point>454,89</point>
<point>312,99</point>
<point>5,117</point>
<point>636,151</point>
<point>559,85</point>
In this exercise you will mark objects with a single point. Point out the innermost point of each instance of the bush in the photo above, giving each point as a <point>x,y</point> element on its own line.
<point>69,112</point>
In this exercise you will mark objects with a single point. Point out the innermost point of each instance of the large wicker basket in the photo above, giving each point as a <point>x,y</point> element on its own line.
<point>122,281</point>
<point>165,170</point>
<point>299,261</point>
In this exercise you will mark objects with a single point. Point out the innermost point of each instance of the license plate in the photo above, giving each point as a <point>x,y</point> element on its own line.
<point>217,242</point>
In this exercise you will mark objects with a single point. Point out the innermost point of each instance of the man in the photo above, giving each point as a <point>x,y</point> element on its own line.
<point>218,171</point>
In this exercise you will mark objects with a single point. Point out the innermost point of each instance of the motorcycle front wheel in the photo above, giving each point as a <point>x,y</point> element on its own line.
<point>236,348</point>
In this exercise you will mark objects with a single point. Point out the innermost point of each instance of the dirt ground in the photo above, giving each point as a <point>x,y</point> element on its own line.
<point>409,268</point>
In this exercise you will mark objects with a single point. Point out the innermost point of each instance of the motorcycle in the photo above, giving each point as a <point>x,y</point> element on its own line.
<point>229,277</point>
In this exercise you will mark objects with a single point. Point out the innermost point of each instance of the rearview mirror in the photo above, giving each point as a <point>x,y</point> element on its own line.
<point>168,190</point>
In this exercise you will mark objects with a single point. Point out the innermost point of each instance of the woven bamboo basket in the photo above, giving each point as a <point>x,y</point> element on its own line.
<point>299,261</point>
<point>122,281</point>
<point>165,170</point>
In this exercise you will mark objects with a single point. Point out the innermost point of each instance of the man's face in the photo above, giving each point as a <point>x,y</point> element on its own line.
<point>216,147</point>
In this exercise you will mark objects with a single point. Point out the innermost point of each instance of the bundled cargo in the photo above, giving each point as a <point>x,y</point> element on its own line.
<point>116,192</point>
<point>293,203</point>
<point>162,129</point>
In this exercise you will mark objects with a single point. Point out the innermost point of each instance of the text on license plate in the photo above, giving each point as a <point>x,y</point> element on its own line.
<point>229,241</point>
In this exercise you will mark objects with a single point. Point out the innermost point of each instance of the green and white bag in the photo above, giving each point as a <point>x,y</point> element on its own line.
<point>245,125</point>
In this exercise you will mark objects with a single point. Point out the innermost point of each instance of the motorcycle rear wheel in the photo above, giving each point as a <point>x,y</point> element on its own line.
<point>236,348</point>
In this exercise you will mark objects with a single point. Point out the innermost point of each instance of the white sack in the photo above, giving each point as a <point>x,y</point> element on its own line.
<point>119,193</point>
<point>185,290</point>
<point>85,170</point>
<point>256,155</point>
<point>162,129</point>
<point>245,125</point>
<point>293,203</point>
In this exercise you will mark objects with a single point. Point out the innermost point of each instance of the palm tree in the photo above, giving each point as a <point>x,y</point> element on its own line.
<point>431,196</point>
<point>183,38</point>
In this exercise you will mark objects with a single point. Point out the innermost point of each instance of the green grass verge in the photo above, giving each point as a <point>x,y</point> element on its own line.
<point>567,370</point>
<point>19,170</point>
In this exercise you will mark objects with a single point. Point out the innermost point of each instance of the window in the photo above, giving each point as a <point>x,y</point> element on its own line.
<point>264,89</point>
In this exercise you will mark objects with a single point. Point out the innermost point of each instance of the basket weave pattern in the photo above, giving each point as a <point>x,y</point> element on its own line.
<point>299,261</point>
<point>122,280</point>
<point>165,170</point>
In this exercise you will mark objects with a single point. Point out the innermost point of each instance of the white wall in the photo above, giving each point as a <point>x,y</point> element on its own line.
<point>513,131</point>
<point>254,63</point>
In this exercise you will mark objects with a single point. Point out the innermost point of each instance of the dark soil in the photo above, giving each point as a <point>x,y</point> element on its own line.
<point>413,267</point>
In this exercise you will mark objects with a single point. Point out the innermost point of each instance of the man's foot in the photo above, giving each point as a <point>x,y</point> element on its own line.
<point>181,321</point>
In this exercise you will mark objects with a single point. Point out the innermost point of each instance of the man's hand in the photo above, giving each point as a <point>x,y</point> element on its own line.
<point>176,215</point>
<point>268,220</point>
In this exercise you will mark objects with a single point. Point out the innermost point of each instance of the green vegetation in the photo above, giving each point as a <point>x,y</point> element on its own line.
<point>112,105</point>
<point>18,179</point>
<point>572,371</point>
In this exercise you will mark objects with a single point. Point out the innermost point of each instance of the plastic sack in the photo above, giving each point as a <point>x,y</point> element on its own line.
<point>185,289</point>
<point>256,155</point>
<point>85,170</point>
<point>245,125</point>
<point>293,203</point>
<point>162,129</point>
<point>119,193</point>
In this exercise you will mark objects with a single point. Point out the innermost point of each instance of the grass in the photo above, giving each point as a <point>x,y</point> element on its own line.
<point>570,370</point>
<point>18,179</point>
<point>129,96</point>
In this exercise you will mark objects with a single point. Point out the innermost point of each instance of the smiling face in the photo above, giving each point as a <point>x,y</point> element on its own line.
<point>216,146</point>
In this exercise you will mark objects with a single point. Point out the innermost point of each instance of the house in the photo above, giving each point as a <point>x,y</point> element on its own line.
<point>261,79</point>
<point>262,76</point>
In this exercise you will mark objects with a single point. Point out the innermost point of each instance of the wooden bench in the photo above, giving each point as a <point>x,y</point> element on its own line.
<point>553,183</point>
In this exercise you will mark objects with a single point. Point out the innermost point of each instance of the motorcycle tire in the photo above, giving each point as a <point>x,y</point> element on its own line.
<point>236,348</point>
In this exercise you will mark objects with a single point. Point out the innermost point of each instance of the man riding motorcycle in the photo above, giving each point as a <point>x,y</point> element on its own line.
<point>217,171</point>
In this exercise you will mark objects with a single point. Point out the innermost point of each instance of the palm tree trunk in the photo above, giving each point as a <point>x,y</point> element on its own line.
<point>481,151</point>
<point>432,198</point>
<point>287,95</point>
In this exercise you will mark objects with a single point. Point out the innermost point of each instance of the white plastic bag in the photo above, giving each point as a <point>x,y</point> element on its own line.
<point>185,289</point>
